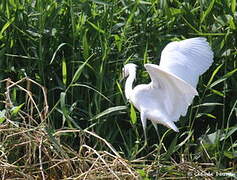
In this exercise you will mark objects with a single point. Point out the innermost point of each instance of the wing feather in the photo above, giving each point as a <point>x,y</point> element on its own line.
<point>187,59</point>
<point>178,94</point>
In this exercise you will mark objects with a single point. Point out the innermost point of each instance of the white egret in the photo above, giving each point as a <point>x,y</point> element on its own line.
<point>173,82</point>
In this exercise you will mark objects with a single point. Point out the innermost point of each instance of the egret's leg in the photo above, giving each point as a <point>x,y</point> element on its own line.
<point>156,128</point>
<point>144,120</point>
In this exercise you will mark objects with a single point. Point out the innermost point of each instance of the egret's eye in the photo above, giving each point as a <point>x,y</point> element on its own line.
<point>124,72</point>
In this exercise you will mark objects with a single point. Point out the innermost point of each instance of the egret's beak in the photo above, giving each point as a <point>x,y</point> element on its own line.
<point>121,78</point>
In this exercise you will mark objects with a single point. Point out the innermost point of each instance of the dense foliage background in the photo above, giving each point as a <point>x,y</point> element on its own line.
<point>77,48</point>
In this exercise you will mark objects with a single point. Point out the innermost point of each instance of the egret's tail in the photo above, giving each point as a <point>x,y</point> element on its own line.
<point>170,124</point>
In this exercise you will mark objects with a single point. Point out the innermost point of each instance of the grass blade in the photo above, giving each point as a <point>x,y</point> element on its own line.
<point>5,26</point>
<point>96,27</point>
<point>233,6</point>
<point>109,111</point>
<point>229,74</point>
<point>133,115</point>
<point>79,71</point>
<point>210,7</point>
<point>54,54</point>
<point>64,71</point>
<point>101,2</point>
<point>213,75</point>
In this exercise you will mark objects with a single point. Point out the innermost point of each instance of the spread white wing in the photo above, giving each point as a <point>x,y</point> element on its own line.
<point>187,59</point>
<point>177,94</point>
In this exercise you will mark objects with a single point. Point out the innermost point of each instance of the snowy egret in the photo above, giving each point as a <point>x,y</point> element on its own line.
<point>173,82</point>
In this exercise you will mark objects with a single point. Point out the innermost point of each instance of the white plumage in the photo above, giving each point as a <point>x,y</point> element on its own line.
<point>173,82</point>
<point>187,59</point>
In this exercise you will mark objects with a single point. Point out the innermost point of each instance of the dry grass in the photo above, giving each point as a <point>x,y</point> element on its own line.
<point>34,154</point>
<point>29,150</point>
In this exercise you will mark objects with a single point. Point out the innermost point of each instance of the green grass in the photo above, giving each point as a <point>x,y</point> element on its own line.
<point>76,50</point>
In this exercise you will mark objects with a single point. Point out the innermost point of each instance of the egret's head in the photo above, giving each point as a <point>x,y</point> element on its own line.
<point>128,68</point>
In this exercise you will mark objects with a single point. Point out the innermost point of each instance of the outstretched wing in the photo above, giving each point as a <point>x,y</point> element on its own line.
<point>187,59</point>
<point>177,94</point>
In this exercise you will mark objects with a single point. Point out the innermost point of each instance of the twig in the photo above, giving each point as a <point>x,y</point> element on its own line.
<point>40,158</point>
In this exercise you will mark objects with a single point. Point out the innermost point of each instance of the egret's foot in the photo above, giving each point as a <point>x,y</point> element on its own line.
<point>143,147</point>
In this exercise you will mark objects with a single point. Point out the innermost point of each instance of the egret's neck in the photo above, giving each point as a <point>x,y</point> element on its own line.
<point>129,84</point>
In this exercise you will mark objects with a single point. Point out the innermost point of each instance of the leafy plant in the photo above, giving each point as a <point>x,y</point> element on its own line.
<point>76,50</point>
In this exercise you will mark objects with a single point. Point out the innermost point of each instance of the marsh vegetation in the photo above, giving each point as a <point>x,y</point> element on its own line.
<point>63,111</point>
